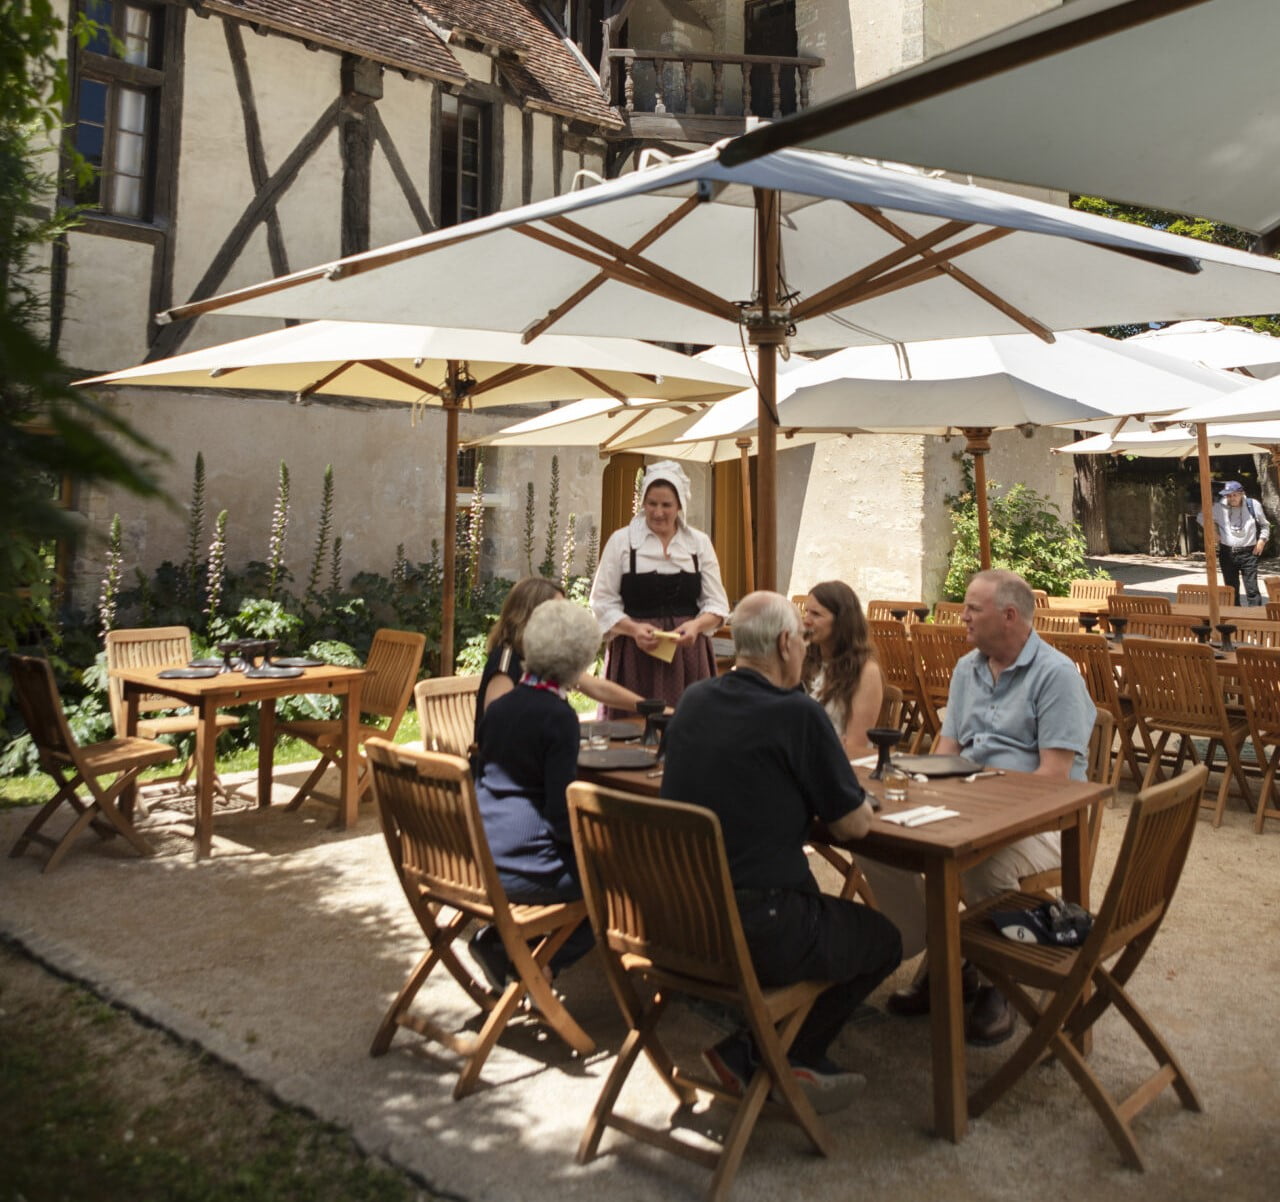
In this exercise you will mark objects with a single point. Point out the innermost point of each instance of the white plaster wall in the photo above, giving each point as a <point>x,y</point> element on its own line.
<point>405,111</point>
<point>105,316</point>
<point>543,184</point>
<point>949,23</point>
<point>509,125</point>
<point>477,64</point>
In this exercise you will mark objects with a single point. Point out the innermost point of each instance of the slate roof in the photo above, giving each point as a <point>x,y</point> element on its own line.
<point>412,35</point>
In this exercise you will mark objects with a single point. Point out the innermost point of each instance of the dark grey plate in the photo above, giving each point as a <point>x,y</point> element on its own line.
<point>274,672</point>
<point>297,661</point>
<point>622,731</point>
<point>617,757</point>
<point>210,661</point>
<point>202,673</point>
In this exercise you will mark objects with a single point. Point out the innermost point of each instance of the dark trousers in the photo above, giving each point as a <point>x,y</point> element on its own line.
<point>541,891</point>
<point>1238,562</point>
<point>795,936</point>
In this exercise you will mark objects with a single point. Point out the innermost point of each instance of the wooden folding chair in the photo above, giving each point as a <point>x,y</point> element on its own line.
<point>1081,988</point>
<point>897,662</point>
<point>1164,626</point>
<point>1255,632</point>
<point>937,651</point>
<point>447,713</point>
<point>1176,691</point>
<point>800,600</point>
<point>1272,586</point>
<point>1099,771</point>
<point>1041,598</point>
<point>1260,672</point>
<point>150,648</point>
<point>1198,594</point>
<point>72,765</point>
<point>432,825</point>
<point>886,610</point>
<point>1125,605</point>
<point>394,659</point>
<point>948,613</point>
<point>1091,654</point>
<point>1273,606</point>
<point>661,901</point>
<point>1061,621</point>
<point>1095,590</point>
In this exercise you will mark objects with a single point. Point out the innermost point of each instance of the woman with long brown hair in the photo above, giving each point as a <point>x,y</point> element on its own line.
<point>840,668</point>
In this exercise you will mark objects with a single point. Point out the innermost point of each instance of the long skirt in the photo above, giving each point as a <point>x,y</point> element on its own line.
<point>649,676</point>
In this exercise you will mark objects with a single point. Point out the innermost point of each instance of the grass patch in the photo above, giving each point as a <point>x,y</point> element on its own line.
<point>32,790</point>
<point>96,1105</point>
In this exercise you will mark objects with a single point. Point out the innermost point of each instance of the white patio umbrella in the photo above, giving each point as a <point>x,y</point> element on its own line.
<point>433,365</point>
<point>797,248</point>
<point>1168,103</point>
<point>1176,442</point>
<point>970,386</point>
<point>1216,344</point>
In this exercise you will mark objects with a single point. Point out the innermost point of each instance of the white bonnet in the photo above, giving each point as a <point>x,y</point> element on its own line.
<point>668,471</point>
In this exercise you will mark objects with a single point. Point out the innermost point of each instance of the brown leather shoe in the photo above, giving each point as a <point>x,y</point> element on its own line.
<point>914,1000</point>
<point>991,1020</point>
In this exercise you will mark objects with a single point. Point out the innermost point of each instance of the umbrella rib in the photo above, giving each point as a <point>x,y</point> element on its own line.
<point>315,385</point>
<point>508,375</point>
<point>625,275</point>
<point>616,436</point>
<point>596,382</point>
<point>669,221</point>
<point>1029,323</point>
<point>817,305</point>
<point>400,375</point>
<point>639,263</point>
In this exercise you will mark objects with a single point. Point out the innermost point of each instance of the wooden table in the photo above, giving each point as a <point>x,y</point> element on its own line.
<point>1226,613</point>
<point>208,695</point>
<point>994,812</point>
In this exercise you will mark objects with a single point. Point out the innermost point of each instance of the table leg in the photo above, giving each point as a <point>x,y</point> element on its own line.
<point>1075,887</point>
<point>266,750</point>
<point>129,796</point>
<point>946,1006</point>
<point>349,806</point>
<point>206,755</point>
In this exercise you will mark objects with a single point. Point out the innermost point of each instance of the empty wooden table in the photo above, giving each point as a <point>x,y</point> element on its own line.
<point>210,694</point>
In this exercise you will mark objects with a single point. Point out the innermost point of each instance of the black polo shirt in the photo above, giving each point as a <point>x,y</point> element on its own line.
<point>767,761</point>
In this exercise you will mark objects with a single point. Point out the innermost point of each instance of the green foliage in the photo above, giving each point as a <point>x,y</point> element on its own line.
<point>276,571</point>
<point>547,567</point>
<point>110,594</point>
<point>195,534</point>
<point>324,527</point>
<point>529,515</point>
<point>1027,537</point>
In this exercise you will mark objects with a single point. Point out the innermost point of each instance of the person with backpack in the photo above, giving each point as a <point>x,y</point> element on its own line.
<point>1242,536</point>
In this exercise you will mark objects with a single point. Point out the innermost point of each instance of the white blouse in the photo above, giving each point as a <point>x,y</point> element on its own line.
<point>615,559</point>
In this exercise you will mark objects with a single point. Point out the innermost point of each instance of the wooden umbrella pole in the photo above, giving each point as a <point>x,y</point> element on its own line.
<point>767,330</point>
<point>744,446</point>
<point>979,443</point>
<point>1210,530</point>
<point>449,582</point>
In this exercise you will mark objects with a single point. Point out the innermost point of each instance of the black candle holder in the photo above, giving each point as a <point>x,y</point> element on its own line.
<point>649,710</point>
<point>1202,632</point>
<point>900,614</point>
<point>1088,622</point>
<point>232,660</point>
<point>885,739</point>
<point>1226,629</point>
<point>921,612</point>
<point>1117,627</point>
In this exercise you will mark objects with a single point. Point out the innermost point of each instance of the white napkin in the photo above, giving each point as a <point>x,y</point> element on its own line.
<point>920,815</point>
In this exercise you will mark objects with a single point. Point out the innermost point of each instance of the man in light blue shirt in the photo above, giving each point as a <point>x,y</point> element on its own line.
<point>1015,703</point>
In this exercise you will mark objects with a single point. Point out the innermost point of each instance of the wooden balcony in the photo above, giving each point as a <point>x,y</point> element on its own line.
<point>703,97</point>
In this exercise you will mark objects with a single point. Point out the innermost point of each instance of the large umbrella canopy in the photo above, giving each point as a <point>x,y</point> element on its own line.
<point>453,368</point>
<point>1167,103</point>
<point>809,249</point>
<point>1256,402</point>
<point>1217,345</point>
<point>1244,438</point>
<point>971,386</point>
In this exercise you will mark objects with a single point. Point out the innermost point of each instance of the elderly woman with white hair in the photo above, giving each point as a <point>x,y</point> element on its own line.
<point>526,757</point>
<point>658,577</point>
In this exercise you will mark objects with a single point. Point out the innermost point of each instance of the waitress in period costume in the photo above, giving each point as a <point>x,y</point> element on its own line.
<point>659,574</point>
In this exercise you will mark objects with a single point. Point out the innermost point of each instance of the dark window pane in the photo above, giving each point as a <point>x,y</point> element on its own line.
<point>93,102</point>
<point>99,11</point>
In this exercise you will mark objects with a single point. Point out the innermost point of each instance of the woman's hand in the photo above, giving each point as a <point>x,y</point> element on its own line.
<point>646,637</point>
<point>688,633</point>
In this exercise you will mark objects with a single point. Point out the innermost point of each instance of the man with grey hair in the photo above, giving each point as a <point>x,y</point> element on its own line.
<point>1014,703</point>
<point>753,748</point>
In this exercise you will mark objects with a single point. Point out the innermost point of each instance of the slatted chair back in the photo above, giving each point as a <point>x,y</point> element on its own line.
<point>948,613</point>
<point>800,601</point>
<point>394,659</point>
<point>436,840</point>
<point>1095,590</point>
<point>885,610</point>
<point>656,881</point>
<point>937,650</point>
<point>148,649</point>
<point>1198,594</point>
<point>1273,610</point>
<point>1176,690</point>
<point>890,715</point>
<point>1256,632</point>
<point>1260,675</point>
<point>1164,626</point>
<point>1125,605</point>
<point>1063,622</point>
<point>1157,837</point>
<point>72,765</point>
<point>1272,585</point>
<point>1091,654</point>
<point>897,660</point>
<point>447,712</point>
<point>1041,598</point>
